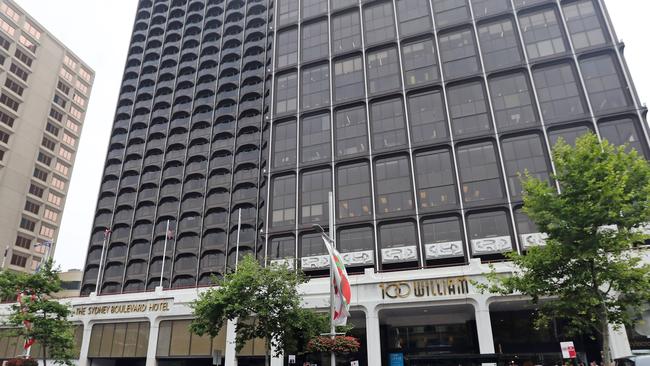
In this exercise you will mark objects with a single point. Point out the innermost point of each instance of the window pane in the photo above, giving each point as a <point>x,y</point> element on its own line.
<point>388,125</point>
<point>443,238</point>
<point>315,138</point>
<point>314,40</point>
<point>356,239</point>
<point>420,64</point>
<point>286,93</point>
<point>584,24</point>
<point>458,54</point>
<point>435,179</point>
<point>523,3</point>
<point>346,32</point>
<point>448,12</point>
<point>283,210</point>
<point>500,45</point>
<point>315,87</point>
<point>315,188</point>
<point>284,144</point>
<point>383,71</point>
<point>469,111</point>
<point>281,248</point>
<point>623,131</point>
<point>569,135</point>
<point>311,245</point>
<point>489,232</point>
<point>413,16</point>
<point>397,235</point>
<point>427,117</point>
<point>512,102</point>
<point>348,79</point>
<point>393,184</point>
<point>479,173</point>
<point>312,8</point>
<point>287,48</point>
<point>351,131</point>
<point>605,88</point>
<point>558,92</point>
<point>287,11</point>
<point>542,34</point>
<point>353,191</point>
<point>337,4</point>
<point>379,23</point>
<point>524,154</point>
<point>484,8</point>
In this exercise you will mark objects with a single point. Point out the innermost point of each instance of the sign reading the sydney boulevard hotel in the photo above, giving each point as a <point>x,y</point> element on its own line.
<point>425,288</point>
<point>136,307</point>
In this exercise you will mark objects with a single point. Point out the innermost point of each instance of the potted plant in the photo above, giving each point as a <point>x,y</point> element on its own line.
<point>22,362</point>
<point>338,344</point>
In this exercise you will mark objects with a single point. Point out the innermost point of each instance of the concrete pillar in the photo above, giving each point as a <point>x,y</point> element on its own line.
<point>230,352</point>
<point>619,344</point>
<point>85,344</point>
<point>153,342</point>
<point>372,337</point>
<point>483,326</point>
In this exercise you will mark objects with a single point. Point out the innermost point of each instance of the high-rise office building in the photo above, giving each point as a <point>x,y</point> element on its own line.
<point>43,101</point>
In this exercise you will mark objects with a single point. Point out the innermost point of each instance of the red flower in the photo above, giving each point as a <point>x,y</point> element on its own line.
<point>338,344</point>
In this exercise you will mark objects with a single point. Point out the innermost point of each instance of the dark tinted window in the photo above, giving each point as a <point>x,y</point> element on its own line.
<point>283,207</point>
<point>569,135</point>
<point>623,131</point>
<point>413,16</point>
<point>348,79</point>
<point>337,4</point>
<point>315,187</point>
<point>286,93</point>
<point>287,48</point>
<point>346,32</point>
<point>559,94</point>
<point>458,54</point>
<point>388,126</point>
<point>393,184</point>
<point>427,117</point>
<point>356,239</point>
<point>584,24</point>
<point>524,154</point>
<point>312,8</point>
<point>499,45</point>
<point>604,86</point>
<point>281,248</point>
<point>353,191</point>
<point>287,11</point>
<point>314,41</point>
<point>489,232</point>
<point>379,23</point>
<point>311,245</point>
<point>383,71</point>
<point>315,138</point>
<point>442,237</point>
<point>448,12</point>
<point>469,110</point>
<point>479,173</point>
<point>315,87</point>
<point>484,8</point>
<point>435,179</point>
<point>397,235</point>
<point>351,131</point>
<point>419,63</point>
<point>284,144</point>
<point>542,34</point>
<point>523,3</point>
<point>512,101</point>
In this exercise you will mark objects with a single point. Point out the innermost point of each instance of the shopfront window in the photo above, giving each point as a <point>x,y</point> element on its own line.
<point>119,340</point>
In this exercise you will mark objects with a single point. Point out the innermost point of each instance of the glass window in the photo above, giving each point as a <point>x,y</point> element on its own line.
<point>348,79</point>
<point>524,154</point>
<point>397,235</point>
<point>413,17</point>
<point>604,86</point>
<point>427,117</point>
<point>489,225</point>
<point>393,182</point>
<point>420,63</point>
<point>523,3</point>
<point>353,191</point>
<point>383,71</point>
<point>512,101</point>
<point>315,138</point>
<point>441,230</point>
<point>356,239</point>
<point>388,125</point>
<point>448,12</point>
<point>379,23</point>
<point>283,208</point>
<point>479,173</point>
<point>315,87</point>
<point>483,8</point>
<point>542,34</point>
<point>569,135</point>
<point>499,45</point>
<point>469,111</point>
<point>584,24</point>
<point>311,245</point>
<point>287,11</point>
<point>559,95</point>
<point>284,144</point>
<point>346,32</point>
<point>281,248</point>
<point>286,93</point>
<point>351,131</point>
<point>524,224</point>
<point>623,131</point>
<point>458,54</point>
<point>312,8</point>
<point>315,188</point>
<point>287,48</point>
<point>314,40</point>
<point>435,179</point>
<point>338,4</point>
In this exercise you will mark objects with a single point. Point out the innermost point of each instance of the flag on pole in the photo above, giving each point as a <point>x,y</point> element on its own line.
<point>170,234</point>
<point>47,245</point>
<point>342,290</point>
<point>26,323</point>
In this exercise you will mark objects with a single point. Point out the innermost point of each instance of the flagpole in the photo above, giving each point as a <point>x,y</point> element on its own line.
<point>107,232</point>
<point>237,244</point>
<point>162,268</point>
<point>332,235</point>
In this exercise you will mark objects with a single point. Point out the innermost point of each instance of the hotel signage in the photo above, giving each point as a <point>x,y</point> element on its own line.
<point>131,307</point>
<point>425,288</point>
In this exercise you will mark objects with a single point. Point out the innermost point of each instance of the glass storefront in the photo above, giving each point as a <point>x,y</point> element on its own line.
<point>177,346</point>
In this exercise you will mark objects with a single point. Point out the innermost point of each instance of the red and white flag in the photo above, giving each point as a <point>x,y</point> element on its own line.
<point>342,289</point>
<point>170,234</point>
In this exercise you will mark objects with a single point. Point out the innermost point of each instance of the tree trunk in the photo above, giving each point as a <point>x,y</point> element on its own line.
<point>267,353</point>
<point>606,352</point>
<point>44,354</point>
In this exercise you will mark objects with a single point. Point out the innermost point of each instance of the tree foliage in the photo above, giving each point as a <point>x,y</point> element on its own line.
<point>587,267</point>
<point>50,326</point>
<point>266,304</point>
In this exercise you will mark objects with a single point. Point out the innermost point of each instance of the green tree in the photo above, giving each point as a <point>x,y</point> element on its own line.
<point>50,326</point>
<point>265,303</point>
<point>586,273</point>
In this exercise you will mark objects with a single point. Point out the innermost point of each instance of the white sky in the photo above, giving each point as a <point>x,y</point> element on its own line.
<point>98,31</point>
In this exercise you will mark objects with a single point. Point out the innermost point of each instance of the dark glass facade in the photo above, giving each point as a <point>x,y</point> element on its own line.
<point>418,114</point>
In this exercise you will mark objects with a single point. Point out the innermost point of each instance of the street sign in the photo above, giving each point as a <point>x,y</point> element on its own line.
<point>568,350</point>
<point>292,359</point>
<point>396,359</point>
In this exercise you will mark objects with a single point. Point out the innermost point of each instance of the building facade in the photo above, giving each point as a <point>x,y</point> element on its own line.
<point>417,114</point>
<point>45,91</point>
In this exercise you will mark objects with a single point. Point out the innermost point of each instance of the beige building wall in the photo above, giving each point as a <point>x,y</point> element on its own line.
<point>44,93</point>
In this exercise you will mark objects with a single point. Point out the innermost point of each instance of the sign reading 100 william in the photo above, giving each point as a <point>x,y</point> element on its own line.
<point>425,288</point>
<point>136,307</point>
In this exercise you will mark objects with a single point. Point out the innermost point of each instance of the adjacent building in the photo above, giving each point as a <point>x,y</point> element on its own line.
<point>43,99</point>
<point>417,114</point>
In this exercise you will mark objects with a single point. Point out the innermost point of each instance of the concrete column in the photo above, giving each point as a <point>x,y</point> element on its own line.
<point>230,352</point>
<point>483,326</point>
<point>372,337</point>
<point>153,342</point>
<point>85,344</point>
<point>619,344</point>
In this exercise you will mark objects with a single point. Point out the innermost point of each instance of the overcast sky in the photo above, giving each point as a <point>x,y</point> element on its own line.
<point>98,31</point>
